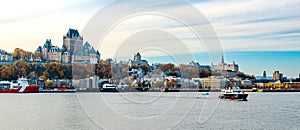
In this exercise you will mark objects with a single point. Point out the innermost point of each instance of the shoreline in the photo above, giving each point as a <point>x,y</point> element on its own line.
<point>205,90</point>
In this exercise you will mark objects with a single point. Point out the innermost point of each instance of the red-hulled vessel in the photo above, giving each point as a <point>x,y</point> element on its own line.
<point>22,86</point>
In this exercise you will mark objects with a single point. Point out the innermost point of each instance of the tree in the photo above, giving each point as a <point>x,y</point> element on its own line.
<point>20,68</point>
<point>20,54</point>
<point>204,73</point>
<point>89,70</point>
<point>6,72</point>
<point>245,76</point>
<point>43,77</point>
<point>49,84</point>
<point>53,70</point>
<point>168,67</point>
<point>37,55</point>
<point>78,71</point>
<point>170,70</point>
<point>145,69</point>
<point>188,72</point>
<point>103,70</point>
<point>16,54</point>
<point>65,72</point>
<point>170,83</point>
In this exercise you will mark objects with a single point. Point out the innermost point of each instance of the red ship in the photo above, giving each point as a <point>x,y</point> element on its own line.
<point>22,86</point>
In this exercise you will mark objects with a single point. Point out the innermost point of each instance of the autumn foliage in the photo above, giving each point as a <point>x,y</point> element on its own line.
<point>20,54</point>
<point>20,68</point>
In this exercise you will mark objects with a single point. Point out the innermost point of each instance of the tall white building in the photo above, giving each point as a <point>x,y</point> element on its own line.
<point>224,69</point>
<point>214,82</point>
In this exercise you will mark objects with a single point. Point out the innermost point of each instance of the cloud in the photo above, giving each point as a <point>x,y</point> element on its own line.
<point>240,25</point>
<point>253,23</point>
<point>27,24</point>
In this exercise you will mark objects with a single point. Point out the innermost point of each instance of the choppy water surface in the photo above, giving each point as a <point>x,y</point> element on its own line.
<point>148,111</point>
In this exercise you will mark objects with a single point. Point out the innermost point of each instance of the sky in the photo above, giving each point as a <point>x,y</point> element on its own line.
<point>252,25</point>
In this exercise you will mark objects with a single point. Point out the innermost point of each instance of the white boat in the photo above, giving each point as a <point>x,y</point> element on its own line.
<point>235,94</point>
<point>205,93</point>
<point>107,85</point>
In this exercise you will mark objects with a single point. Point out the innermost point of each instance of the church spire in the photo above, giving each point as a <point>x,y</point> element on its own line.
<point>222,61</point>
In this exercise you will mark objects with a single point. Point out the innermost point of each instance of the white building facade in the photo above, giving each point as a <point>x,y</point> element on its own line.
<point>226,70</point>
<point>214,82</point>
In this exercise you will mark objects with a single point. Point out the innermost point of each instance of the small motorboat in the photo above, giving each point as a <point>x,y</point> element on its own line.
<point>205,93</point>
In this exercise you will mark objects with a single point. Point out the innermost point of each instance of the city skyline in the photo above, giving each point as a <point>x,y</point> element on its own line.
<point>240,25</point>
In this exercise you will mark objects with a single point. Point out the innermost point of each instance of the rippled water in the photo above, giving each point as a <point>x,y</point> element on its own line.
<point>148,111</point>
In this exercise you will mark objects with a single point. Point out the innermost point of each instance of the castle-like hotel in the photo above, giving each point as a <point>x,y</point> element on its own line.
<point>137,61</point>
<point>73,50</point>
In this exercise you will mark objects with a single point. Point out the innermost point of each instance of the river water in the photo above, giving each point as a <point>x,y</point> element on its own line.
<point>151,110</point>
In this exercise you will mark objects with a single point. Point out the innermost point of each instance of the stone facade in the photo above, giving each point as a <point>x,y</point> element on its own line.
<point>54,54</point>
<point>47,46</point>
<point>72,50</point>
<point>73,41</point>
<point>66,56</point>
<point>137,61</point>
<point>224,69</point>
<point>214,82</point>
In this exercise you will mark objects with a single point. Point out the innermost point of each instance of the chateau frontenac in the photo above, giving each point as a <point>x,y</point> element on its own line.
<point>73,50</point>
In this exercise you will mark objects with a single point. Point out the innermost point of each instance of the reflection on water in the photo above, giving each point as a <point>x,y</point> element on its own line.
<point>42,111</point>
<point>148,110</point>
